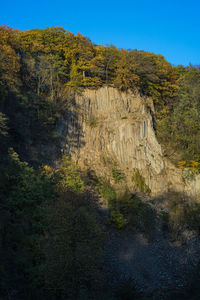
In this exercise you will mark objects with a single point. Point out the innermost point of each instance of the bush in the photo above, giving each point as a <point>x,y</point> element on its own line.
<point>117,175</point>
<point>106,191</point>
<point>92,122</point>
<point>139,181</point>
<point>183,213</point>
<point>68,176</point>
<point>127,209</point>
<point>117,219</point>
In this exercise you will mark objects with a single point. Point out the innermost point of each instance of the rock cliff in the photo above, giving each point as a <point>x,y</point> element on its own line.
<point>107,129</point>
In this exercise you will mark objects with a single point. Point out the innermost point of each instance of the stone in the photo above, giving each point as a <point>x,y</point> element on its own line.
<point>107,128</point>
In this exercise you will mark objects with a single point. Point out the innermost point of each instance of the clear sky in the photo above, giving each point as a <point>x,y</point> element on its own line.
<point>170,28</point>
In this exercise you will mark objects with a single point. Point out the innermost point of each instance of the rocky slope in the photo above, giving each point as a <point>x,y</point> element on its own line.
<point>107,129</point>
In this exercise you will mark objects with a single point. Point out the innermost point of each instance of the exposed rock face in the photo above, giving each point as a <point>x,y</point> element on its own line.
<point>115,130</point>
<point>108,129</point>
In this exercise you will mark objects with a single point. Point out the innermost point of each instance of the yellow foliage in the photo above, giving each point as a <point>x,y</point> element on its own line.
<point>92,81</point>
<point>191,165</point>
<point>181,164</point>
<point>194,163</point>
<point>9,61</point>
<point>47,171</point>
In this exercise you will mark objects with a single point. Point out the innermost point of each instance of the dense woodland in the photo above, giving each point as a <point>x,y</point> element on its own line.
<point>50,242</point>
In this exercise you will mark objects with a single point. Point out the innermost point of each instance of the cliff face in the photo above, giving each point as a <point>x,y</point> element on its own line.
<point>107,129</point>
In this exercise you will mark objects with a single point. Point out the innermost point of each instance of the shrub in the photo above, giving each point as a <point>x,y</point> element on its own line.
<point>117,175</point>
<point>187,175</point>
<point>68,176</point>
<point>127,209</point>
<point>139,181</point>
<point>92,122</point>
<point>117,219</point>
<point>106,191</point>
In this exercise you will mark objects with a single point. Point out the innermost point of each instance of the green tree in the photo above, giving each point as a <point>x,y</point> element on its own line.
<point>179,129</point>
<point>68,177</point>
<point>22,192</point>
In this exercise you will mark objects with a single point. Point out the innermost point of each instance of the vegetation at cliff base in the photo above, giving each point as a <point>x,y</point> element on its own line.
<point>139,181</point>
<point>50,242</point>
<point>127,209</point>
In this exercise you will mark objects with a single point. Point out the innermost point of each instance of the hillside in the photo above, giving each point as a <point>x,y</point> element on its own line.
<point>99,170</point>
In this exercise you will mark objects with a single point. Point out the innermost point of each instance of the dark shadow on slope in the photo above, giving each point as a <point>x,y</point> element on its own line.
<point>41,130</point>
<point>164,263</point>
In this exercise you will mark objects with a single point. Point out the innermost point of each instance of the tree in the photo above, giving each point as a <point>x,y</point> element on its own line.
<point>186,115</point>
<point>179,128</point>
<point>42,41</point>
<point>103,64</point>
<point>50,73</point>
<point>126,77</point>
<point>9,60</point>
<point>23,192</point>
<point>72,241</point>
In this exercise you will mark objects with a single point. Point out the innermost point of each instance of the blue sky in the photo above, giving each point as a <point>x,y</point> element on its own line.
<point>170,28</point>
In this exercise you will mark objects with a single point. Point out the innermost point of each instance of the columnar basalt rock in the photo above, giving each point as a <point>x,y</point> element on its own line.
<point>116,129</point>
